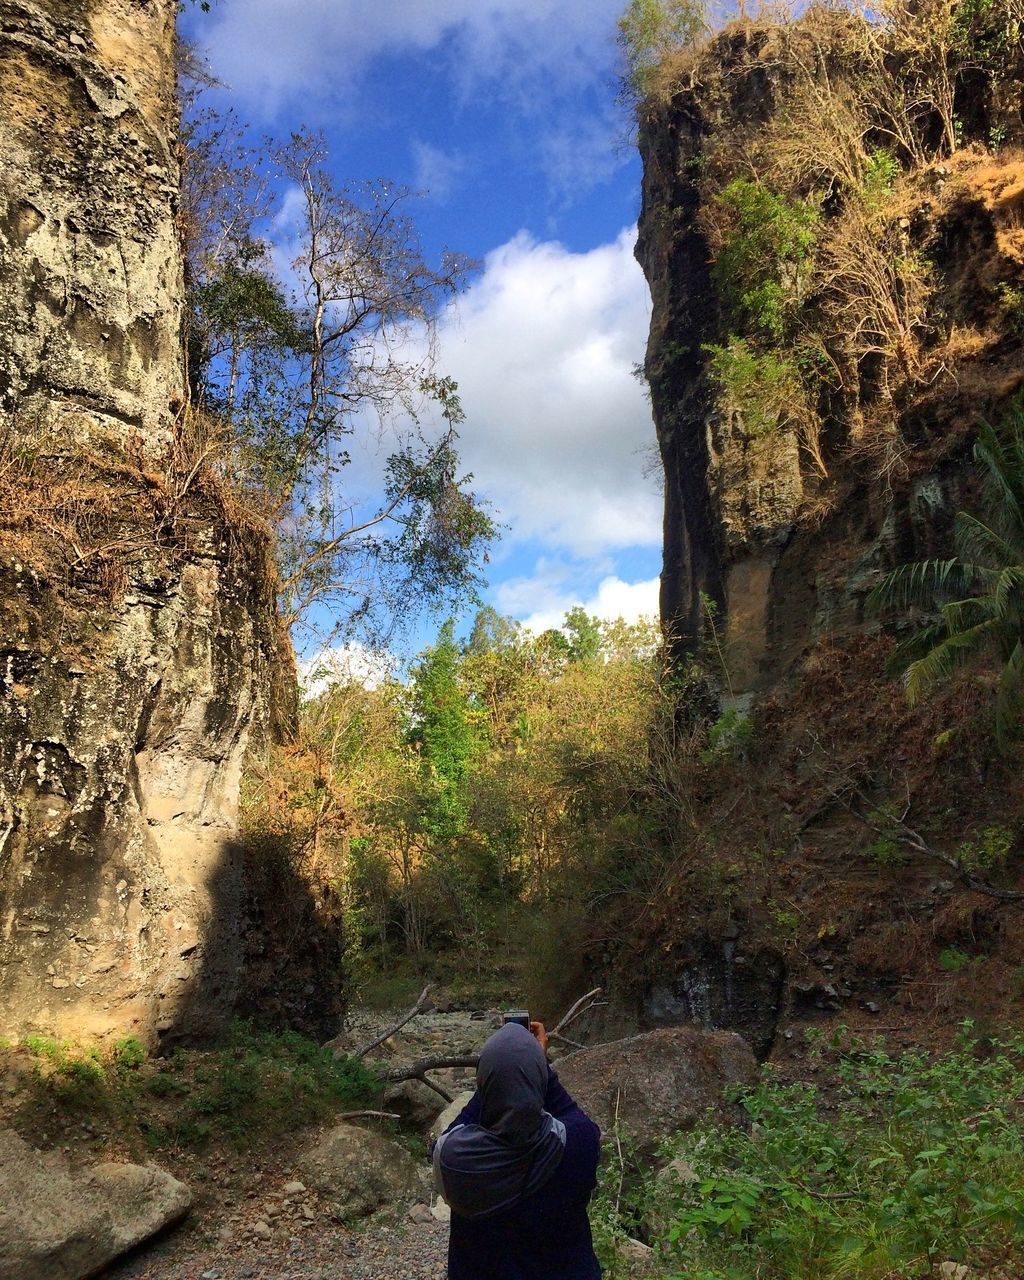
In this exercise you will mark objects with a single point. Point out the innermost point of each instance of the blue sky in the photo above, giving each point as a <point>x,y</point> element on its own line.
<point>504,114</point>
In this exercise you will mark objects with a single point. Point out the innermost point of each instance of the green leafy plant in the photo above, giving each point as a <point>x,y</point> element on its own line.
<point>916,1162</point>
<point>989,849</point>
<point>650,31</point>
<point>766,241</point>
<point>730,736</point>
<point>952,959</point>
<point>980,592</point>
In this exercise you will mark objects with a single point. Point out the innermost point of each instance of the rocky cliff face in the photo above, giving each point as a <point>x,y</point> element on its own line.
<point>786,528</point>
<point>833,233</point>
<point>138,638</point>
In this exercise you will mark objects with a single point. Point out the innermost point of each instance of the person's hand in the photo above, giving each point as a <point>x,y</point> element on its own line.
<point>537,1029</point>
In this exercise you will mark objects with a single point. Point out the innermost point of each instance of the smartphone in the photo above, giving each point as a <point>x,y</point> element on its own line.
<point>522,1016</point>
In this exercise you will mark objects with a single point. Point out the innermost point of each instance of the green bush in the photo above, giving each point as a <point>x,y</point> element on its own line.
<point>767,241</point>
<point>651,31</point>
<point>916,1162</point>
<point>761,386</point>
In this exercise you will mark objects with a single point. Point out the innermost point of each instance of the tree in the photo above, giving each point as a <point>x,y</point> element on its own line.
<point>650,31</point>
<point>285,368</point>
<point>979,592</point>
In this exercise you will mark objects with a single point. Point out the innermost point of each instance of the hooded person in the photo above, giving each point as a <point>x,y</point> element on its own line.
<point>517,1168</point>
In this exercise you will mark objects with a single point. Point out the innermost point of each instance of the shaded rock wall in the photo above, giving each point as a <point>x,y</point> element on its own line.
<point>139,645</point>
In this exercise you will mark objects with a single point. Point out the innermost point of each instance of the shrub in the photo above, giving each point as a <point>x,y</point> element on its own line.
<point>765,243</point>
<point>920,1161</point>
<point>650,31</point>
<point>762,387</point>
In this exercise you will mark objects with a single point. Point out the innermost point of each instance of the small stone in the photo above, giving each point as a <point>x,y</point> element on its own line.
<point>294,1188</point>
<point>262,1229</point>
<point>61,982</point>
<point>420,1214</point>
<point>211,1275</point>
<point>953,1271</point>
<point>440,1210</point>
<point>872,1006</point>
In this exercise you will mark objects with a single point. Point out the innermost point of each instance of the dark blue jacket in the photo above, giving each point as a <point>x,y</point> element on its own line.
<point>545,1236</point>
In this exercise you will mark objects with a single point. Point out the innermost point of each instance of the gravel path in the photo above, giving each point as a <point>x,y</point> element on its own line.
<point>246,1227</point>
<point>415,1251</point>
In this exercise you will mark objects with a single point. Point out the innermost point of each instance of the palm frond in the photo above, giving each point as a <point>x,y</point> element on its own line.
<point>1007,593</point>
<point>919,584</point>
<point>961,615</point>
<point>948,656</point>
<point>977,544</point>
<point>1010,698</point>
<point>1003,480</point>
<point>916,646</point>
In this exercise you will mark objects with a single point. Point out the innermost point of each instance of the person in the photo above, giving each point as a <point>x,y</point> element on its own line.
<point>517,1167</point>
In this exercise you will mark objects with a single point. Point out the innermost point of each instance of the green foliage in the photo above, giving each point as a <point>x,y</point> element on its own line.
<point>918,1161</point>
<point>980,593</point>
<point>880,175</point>
<point>886,852</point>
<point>761,386</point>
<point>253,1085</point>
<point>651,31</point>
<point>952,959</point>
<point>129,1053</point>
<point>759,267</point>
<point>730,737</point>
<point>989,850</point>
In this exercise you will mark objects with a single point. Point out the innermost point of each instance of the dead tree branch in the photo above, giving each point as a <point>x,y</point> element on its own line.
<point>363,1050</point>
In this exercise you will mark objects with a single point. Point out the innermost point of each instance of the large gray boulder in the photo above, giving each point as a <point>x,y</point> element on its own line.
<point>417,1104</point>
<point>357,1171</point>
<point>62,1224</point>
<point>450,1112</point>
<point>652,1085</point>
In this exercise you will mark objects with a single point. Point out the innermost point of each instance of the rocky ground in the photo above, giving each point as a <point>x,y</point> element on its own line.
<point>255,1220</point>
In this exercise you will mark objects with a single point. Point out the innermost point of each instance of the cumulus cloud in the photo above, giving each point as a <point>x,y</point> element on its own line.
<point>543,600</point>
<point>349,663</point>
<point>278,52</point>
<point>543,346</point>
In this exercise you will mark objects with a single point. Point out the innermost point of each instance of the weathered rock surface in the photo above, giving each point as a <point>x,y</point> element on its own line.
<point>357,1171</point>
<point>139,646</point>
<point>59,1224</point>
<point>450,1112</point>
<point>415,1102</point>
<point>656,1084</point>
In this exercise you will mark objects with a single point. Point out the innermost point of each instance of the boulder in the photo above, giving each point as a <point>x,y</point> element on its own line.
<point>417,1104</point>
<point>57,1223</point>
<point>652,1085</point>
<point>356,1171</point>
<point>450,1112</point>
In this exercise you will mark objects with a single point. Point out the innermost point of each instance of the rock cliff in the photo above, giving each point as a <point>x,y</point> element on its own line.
<point>809,440</point>
<point>140,658</point>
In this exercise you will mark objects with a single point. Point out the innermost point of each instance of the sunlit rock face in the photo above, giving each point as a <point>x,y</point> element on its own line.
<point>136,671</point>
<point>786,545</point>
<point>90,264</point>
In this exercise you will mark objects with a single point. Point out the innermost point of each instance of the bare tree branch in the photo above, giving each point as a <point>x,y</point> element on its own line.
<point>363,1050</point>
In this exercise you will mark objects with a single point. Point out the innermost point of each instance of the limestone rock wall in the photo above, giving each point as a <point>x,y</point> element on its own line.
<point>138,638</point>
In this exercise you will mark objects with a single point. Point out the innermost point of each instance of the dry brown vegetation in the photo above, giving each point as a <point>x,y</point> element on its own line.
<point>899,127</point>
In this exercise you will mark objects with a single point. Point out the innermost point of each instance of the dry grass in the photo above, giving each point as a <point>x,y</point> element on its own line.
<point>90,521</point>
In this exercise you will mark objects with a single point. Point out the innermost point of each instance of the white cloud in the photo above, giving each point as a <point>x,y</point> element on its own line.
<point>437,171</point>
<point>274,52</point>
<point>542,346</point>
<point>542,601</point>
<point>353,662</point>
